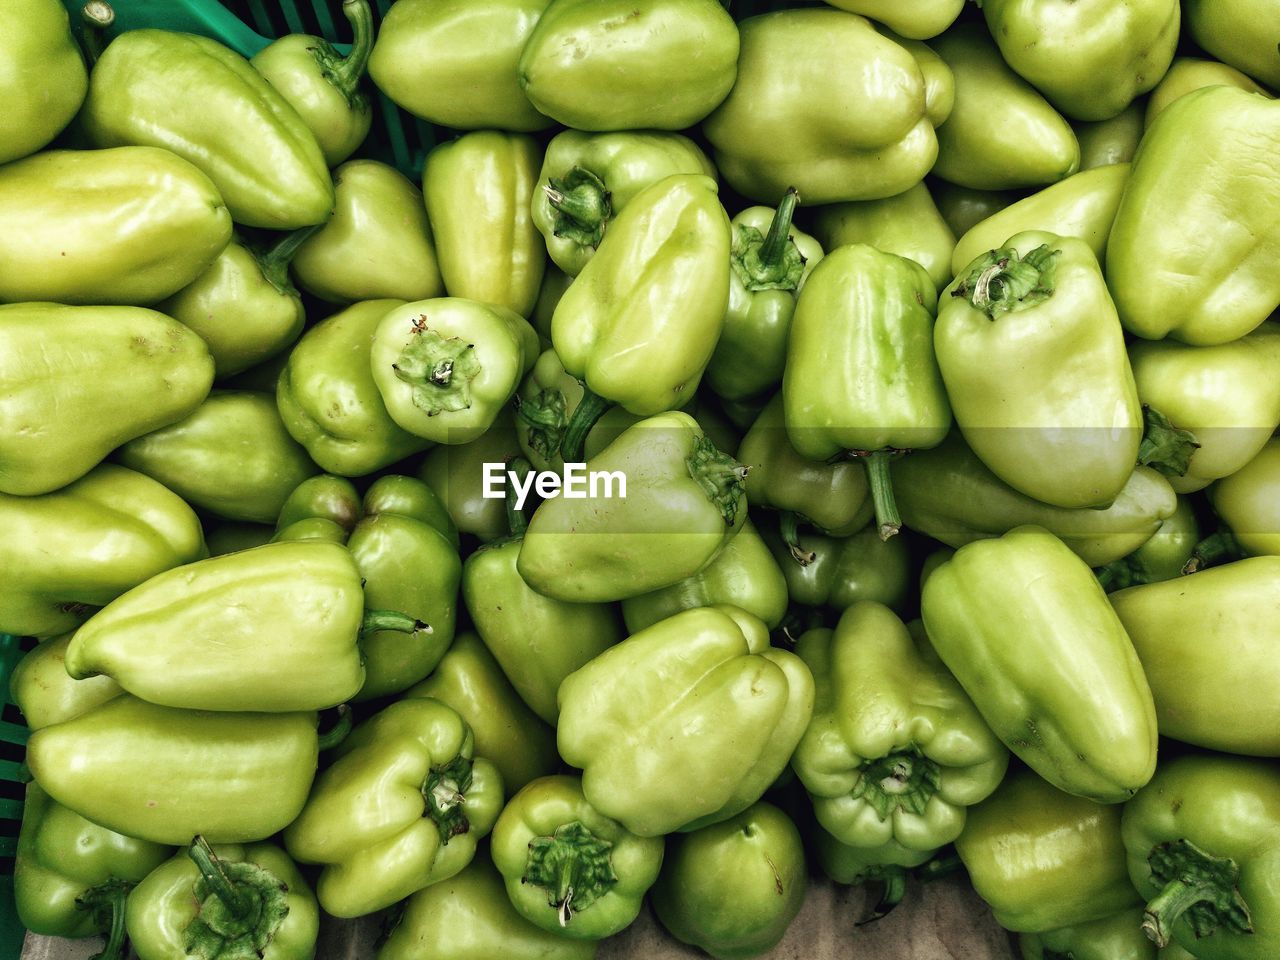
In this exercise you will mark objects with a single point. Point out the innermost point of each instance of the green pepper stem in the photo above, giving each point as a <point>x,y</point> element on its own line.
<point>775,241</point>
<point>347,74</point>
<point>564,892</point>
<point>375,620</point>
<point>886,506</point>
<point>1165,448</point>
<point>1171,903</point>
<point>1213,549</point>
<point>791,537</point>
<point>584,204</point>
<point>588,411</point>
<point>274,260</point>
<point>894,883</point>
<point>517,522</point>
<point>338,732</point>
<point>110,896</point>
<point>939,867</point>
<point>215,878</point>
<point>97,17</point>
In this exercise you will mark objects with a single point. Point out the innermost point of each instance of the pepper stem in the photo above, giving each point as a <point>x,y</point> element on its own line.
<point>583,204</point>
<point>97,17</point>
<point>215,877</point>
<point>1214,548</point>
<point>791,537</point>
<point>588,411</point>
<point>274,260</point>
<point>347,73</point>
<point>1165,448</point>
<point>893,882</point>
<point>886,505</point>
<point>1003,282</point>
<point>1171,903</point>
<point>775,241</point>
<point>573,865</point>
<point>375,620</point>
<point>338,732</point>
<point>108,897</point>
<point>517,522</point>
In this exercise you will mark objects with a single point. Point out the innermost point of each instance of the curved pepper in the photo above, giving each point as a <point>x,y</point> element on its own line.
<point>137,527</point>
<point>206,103</point>
<point>43,79</point>
<point>568,868</point>
<point>608,65</point>
<point>1074,705</point>
<point>895,749</point>
<point>1044,859</point>
<point>804,113</point>
<point>920,21</point>
<point>1203,841</point>
<point>1067,435</point>
<point>1190,73</point>
<point>733,888</point>
<point>1231,31</point>
<point>1163,557</point>
<point>225,901</point>
<point>1247,502</point>
<point>699,697</point>
<point>837,572</point>
<point>59,415</point>
<point>1117,937</point>
<point>46,694</point>
<point>1201,266</point>
<point>1106,142</point>
<point>323,86</point>
<point>131,225</point>
<point>164,774</point>
<point>402,807</point>
<point>377,244</point>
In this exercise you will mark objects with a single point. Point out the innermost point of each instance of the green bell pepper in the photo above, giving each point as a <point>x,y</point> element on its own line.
<point>606,65</point>
<point>554,283</point>
<point>1203,841</point>
<point>1190,73</point>
<point>1082,206</point>
<point>699,697</point>
<point>43,79</point>
<point>587,179</point>
<point>1247,502</point>
<point>71,876</point>
<point>861,376</point>
<point>1074,705</point>
<point>744,574</point>
<point>1090,59</point>
<point>323,86</point>
<point>469,917</point>
<point>53,580</point>
<point>1163,557</point>
<point>963,207</point>
<point>507,732</point>
<point>231,456</point>
<point>478,191</point>
<point>1231,31</point>
<point>227,901</point>
<point>164,774</point>
<point>770,262</point>
<point>377,244</point>
<point>329,403</point>
<point>949,494</point>
<point>1044,859</point>
<point>1105,142</point>
<point>456,472</point>
<point>1030,144</point>
<point>447,367</point>
<point>1207,646</point>
<point>1226,396</point>
<point>1200,265</point>
<point>732,888</point>
<point>568,868</point>
<point>129,226</point>
<point>908,225</point>
<point>896,750</point>
<point>46,694</point>
<point>204,102</point>
<point>1117,937</point>
<point>805,113</point>
<point>1065,435</point>
<point>324,496</point>
<point>59,416</point>
<point>665,502</point>
<point>402,807</point>
<point>919,21</point>
<point>837,572</point>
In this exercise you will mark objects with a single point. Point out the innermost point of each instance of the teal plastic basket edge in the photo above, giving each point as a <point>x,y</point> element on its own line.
<point>11,929</point>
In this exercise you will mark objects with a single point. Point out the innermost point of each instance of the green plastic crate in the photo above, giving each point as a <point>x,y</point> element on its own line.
<point>13,738</point>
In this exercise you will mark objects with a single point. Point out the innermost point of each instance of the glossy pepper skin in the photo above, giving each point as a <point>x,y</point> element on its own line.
<point>1163,557</point>
<point>329,402</point>
<point>684,501</point>
<point>179,910</point>
<point>46,694</point>
<point>1205,643</point>
<point>323,86</point>
<point>377,244</point>
<point>896,750</point>
<point>733,888</point>
<point>1192,73</point>
<point>949,494</point>
<point>231,456</point>
<point>1228,29</point>
<point>1246,501</point>
<point>568,868</point>
<point>674,698</point>
<point>780,127</point>
<point>447,367</point>
<point>478,191</point>
<point>164,774</point>
<point>769,263</point>
<point>962,207</point>
<point>59,416</point>
<point>920,21</point>
<point>1030,145</point>
<point>139,529</point>
<point>85,226</point>
<point>456,473</point>
<point>1203,844</point>
<point>1065,435</point>
<point>402,807</point>
<point>837,572</point>
<point>1104,142</point>
<point>469,917</point>
<point>1117,937</point>
<point>606,65</point>
<point>1194,278</point>
<point>639,324</point>
<point>1075,706</point>
<point>206,103</point>
<point>1044,859</point>
<point>1090,59</point>
<point>587,179</point>
<point>64,860</point>
<point>43,80</point>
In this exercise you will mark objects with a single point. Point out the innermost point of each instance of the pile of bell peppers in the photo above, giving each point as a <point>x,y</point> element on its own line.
<point>928,359</point>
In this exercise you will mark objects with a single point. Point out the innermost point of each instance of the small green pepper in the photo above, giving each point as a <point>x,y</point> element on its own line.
<point>456,472</point>
<point>1117,937</point>
<point>1247,502</point>
<point>1229,29</point>
<point>1163,557</point>
<point>46,694</point>
<point>1190,73</point>
<point>1104,142</point>
<point>837,572</point>
<point>962,207</point>
<point>43,79</point>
